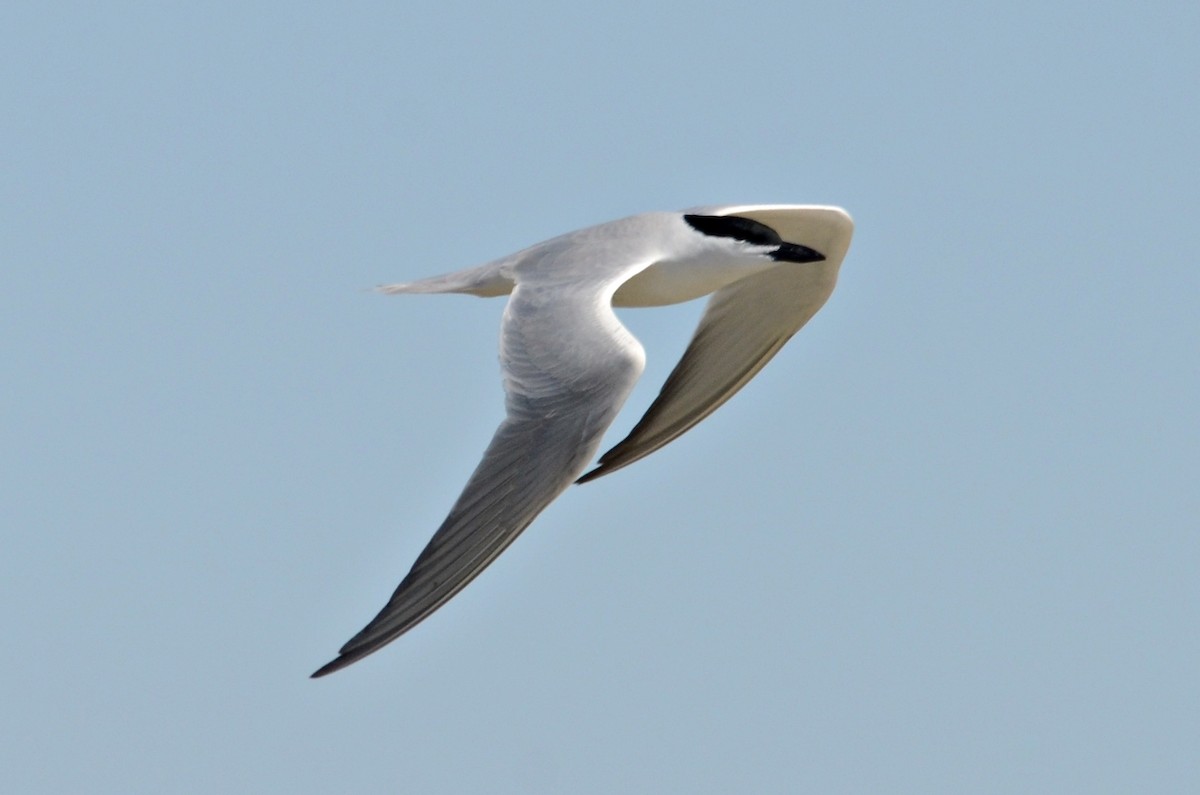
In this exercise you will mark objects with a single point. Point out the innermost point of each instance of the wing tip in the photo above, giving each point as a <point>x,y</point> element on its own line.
<point>587,477</point>
<point>343,659</point>
<point>329,667</point>
<point>608,463</point>
<point>348,654</point>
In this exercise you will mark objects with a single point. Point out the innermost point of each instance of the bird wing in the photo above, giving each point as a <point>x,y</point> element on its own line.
<point>743,326</point>
<point>568,366</point>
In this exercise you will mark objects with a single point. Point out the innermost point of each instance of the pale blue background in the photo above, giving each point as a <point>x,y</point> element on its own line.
<point>946,543</point>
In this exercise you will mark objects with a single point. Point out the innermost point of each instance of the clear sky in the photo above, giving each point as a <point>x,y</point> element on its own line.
<point>947,542</point>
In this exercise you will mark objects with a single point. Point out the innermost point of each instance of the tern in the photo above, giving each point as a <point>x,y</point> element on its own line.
<point>569,364</point>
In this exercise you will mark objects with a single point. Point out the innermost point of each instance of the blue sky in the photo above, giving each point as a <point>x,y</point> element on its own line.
<point>946,542</point>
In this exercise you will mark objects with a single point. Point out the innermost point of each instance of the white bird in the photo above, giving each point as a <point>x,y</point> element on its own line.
<point>568,363</point>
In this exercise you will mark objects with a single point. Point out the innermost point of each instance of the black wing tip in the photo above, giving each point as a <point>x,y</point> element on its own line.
<point>588,477</point>
<point>347,655</point>
<point>608,463</point>
<point>331,666</point>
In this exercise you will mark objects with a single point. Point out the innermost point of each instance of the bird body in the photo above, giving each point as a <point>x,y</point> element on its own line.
<point>569,364</point>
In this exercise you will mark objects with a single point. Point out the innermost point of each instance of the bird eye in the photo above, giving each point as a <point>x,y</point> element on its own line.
<point>744,229</point>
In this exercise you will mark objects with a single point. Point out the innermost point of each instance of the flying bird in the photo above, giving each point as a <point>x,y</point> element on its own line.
<point>569,364</point>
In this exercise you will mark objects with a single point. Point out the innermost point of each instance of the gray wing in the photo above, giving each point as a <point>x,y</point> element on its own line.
<point>743,326</point>
<point>568,366</point>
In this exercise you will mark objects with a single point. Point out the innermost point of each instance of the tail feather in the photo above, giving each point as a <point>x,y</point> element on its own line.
<point>485,281</point>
